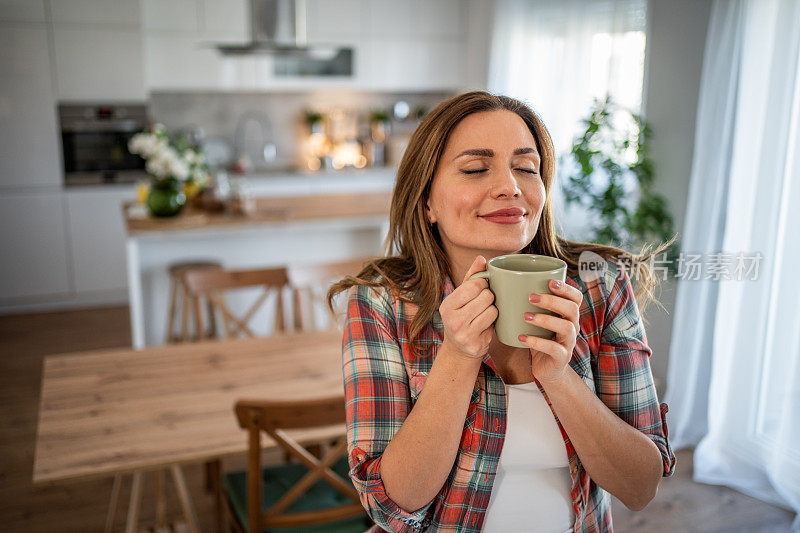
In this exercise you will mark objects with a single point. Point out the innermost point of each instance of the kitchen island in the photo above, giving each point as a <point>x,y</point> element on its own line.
<point>292,223</point>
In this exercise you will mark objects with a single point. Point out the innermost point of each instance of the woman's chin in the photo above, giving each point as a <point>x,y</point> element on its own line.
<point>505,248</point>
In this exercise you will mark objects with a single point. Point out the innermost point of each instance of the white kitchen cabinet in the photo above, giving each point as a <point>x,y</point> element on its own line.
<point>29,145</point>
<point>338,21</point>
<point>416,45</point>
<point>415,64</point>
<point>191,63</point>
<point>440,19</point>
<point>91,12</point>
<point>34,245</point>
<point>179,45</point>
<point>389,19</point>
<point>478,43</point>
<point>396,63</point>
<point>410,45</point>
<point>435,19</point>
<point>170,15</point>
<point>97,237</point>
<point>98,64</point>
<point>193,17</point>
<point>444,68</point>
<point>231,17</point>
<point>22,11</point>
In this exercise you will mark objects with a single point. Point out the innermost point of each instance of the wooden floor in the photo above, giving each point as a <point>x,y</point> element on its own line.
<point>681,505</point>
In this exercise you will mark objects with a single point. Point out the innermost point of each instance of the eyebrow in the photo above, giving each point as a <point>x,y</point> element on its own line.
<point>485,152</point>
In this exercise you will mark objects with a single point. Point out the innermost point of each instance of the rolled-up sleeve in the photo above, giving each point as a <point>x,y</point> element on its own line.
<point>377,401</point>
<point>623,376</point>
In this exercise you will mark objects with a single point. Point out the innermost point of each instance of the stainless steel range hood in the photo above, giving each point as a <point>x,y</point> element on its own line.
<point>278,27</point>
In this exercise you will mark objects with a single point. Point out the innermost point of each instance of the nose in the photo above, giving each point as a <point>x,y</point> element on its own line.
<point>505,185</point>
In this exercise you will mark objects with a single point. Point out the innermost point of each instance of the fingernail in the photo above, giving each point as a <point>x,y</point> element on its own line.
<point>528,316</point>
<point>522,337</point>
<point>535,298</point>
<point>556,284</point>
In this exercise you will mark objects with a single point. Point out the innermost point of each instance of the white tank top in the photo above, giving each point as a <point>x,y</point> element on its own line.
<point>531,491</point>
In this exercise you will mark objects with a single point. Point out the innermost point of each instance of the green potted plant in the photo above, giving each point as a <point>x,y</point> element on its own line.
<point>314,120</point>
<point>379,124</point>
<point>608,172</point>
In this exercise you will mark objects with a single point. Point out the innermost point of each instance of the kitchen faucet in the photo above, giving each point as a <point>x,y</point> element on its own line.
<point>265,150</point>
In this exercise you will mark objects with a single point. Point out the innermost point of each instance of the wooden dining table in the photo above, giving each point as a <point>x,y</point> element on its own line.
<point>114,412</point>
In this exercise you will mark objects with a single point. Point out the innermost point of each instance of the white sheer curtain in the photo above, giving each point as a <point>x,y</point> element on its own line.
<point>696,302</point>
<point>556,55</point>
<point>734,376</point>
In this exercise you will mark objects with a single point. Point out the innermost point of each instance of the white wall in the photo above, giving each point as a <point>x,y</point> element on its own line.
<point>675,43</point>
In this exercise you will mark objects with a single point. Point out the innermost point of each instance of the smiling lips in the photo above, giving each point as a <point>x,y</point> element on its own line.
<point>511,215</point>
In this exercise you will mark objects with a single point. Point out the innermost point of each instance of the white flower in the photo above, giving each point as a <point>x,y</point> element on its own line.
<point>156,168</point>
<point>163,162</point>
<point>179,168</point>
<point>137,143</point>
<point>146,144</point>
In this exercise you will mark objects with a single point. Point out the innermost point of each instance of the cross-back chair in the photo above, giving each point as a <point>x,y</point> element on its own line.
<point>314,495</point>
<point>211,285</point>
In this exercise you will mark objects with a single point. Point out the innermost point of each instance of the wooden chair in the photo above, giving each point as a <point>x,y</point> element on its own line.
<point>309,285</point>
<point>179,300</point>
<point>210,285</point>
<point>316,492</point>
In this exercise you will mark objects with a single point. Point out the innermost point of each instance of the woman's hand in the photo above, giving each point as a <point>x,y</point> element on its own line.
<point>549,358</point>
<point>468,314</point>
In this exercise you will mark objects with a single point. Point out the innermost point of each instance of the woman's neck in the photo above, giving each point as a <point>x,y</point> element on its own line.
<point>459,263</point>
<point>513,364</point>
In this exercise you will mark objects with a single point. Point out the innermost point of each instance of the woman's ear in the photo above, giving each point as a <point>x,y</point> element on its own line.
<point>429,213</point>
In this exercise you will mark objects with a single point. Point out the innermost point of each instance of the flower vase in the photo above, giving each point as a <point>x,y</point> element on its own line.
<point>166,198</point>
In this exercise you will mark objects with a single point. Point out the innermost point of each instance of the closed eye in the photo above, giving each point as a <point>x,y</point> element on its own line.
<point>527,171</point>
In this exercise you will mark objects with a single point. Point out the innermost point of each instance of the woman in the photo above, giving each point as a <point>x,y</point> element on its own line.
<point>450,430</point>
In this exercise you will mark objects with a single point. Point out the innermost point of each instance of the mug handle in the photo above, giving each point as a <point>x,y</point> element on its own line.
<point>482,274</point>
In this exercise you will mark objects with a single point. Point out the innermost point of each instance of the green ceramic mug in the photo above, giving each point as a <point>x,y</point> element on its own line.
<point>512,278</point>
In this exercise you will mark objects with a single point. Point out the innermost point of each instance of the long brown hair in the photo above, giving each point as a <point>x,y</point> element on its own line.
<point>415,263</point>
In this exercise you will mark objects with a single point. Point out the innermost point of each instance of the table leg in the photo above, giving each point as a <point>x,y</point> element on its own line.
<point>112,505</point>
<point>161,504</point>
<point>133,508</point>
<point>135,297</point>
<point>185,498</point>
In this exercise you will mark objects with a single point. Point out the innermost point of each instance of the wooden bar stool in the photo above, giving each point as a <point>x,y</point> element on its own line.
<point>177,282</point>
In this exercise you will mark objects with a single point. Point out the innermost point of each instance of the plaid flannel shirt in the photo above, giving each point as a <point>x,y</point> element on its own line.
<point>383,379</point>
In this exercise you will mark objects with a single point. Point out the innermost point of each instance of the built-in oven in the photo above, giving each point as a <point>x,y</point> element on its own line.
<point>94,142</point>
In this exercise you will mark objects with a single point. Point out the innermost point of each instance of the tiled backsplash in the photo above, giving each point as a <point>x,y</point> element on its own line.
<point>217,114</point>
